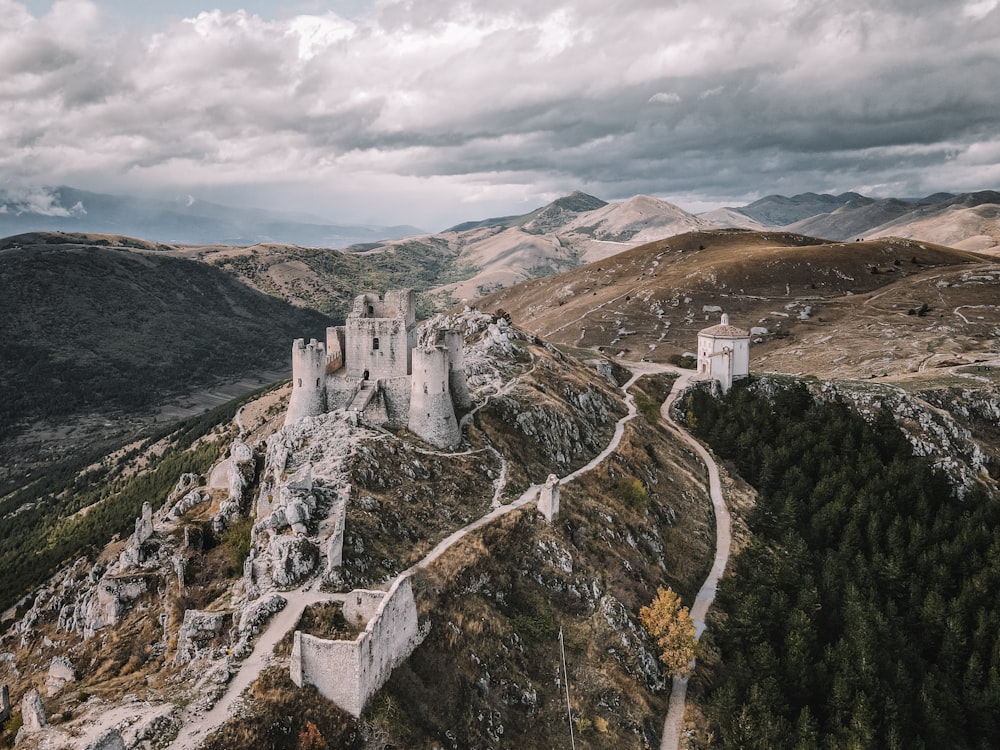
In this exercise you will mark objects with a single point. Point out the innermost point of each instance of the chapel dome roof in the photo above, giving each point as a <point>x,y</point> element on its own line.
<point>724,330</point>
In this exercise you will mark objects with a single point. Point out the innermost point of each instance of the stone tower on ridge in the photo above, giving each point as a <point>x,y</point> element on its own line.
<point>380,368</point>
<point>308,380</point>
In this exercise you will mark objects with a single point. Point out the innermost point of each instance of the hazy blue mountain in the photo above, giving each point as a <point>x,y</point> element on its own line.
<point>186,220</point>
<point>780,211</point>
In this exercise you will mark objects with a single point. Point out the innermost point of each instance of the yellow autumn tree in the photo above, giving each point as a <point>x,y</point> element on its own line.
<point>670,626</point>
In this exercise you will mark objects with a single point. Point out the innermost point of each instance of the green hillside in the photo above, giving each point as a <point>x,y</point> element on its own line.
<point>84,326</point>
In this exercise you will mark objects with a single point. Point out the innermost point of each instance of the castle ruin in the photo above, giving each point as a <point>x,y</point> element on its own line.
<point>385,370</point>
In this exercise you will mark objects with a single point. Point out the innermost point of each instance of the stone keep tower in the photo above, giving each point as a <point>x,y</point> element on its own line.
<point>724,353</point>
<point>308,380</point>
<point>380,334</point>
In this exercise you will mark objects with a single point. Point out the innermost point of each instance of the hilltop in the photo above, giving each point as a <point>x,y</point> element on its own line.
<point>490,606</point>
<point>813,306</point>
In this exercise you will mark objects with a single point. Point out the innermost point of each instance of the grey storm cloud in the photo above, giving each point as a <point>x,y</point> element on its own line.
<point>486,108</point>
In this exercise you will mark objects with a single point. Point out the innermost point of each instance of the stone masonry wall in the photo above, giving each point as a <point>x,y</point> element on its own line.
<point>349,672</point>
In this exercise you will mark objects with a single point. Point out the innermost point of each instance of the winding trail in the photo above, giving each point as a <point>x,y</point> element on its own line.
<point>199,726</point>
<point>674,722</point>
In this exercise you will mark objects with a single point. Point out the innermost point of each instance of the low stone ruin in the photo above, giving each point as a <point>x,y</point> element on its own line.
<point>349,672</point>
<point>548,498</point>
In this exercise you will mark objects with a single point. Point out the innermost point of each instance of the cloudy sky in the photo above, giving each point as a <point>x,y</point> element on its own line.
<point>432,112</point>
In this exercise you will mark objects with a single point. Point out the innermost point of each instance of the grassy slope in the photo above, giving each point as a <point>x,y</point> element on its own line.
<point>86,327</point>
<point>656,292</point>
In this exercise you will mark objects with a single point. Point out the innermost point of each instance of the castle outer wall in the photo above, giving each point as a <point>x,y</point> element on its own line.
<point>349,672</point>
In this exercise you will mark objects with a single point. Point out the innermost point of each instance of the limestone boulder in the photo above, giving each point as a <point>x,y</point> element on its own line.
<point>110,739</point>
<point>293,558</point>
<point>199,631</point>
<point>251,617</point>
<point>61,671</point>
<point>33,713</point>
<point>187,502</point>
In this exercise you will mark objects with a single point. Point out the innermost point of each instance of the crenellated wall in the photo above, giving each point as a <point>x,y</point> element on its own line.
<point>349,672</point>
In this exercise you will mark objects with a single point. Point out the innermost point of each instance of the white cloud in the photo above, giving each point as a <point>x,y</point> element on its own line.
<point>979,8</point>
<point>665,97</point>
<point>34,200</point>
<point>499,101</point>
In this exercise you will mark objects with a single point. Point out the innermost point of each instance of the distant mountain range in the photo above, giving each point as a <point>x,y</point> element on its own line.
<point>185,221</point>
<point>579,229</point>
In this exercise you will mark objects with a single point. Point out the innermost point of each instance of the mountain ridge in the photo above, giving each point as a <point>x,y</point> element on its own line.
<point>187,221</point>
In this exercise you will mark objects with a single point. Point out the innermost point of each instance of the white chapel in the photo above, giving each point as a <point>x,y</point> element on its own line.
<point>724,353</point>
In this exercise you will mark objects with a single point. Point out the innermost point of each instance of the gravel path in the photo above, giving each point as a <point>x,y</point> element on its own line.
<point>674,722</point>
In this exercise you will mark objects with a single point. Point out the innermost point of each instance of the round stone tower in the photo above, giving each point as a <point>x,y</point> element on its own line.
<point>308,380</point>
<point>432,415</point>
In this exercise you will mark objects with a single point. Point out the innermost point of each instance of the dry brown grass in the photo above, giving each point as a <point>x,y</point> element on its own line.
<point>767,279</point>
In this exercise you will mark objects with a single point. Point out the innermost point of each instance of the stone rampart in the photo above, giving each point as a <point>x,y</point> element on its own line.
<point>349,672</point>
<point>455,342</point>
<point>334,348</point>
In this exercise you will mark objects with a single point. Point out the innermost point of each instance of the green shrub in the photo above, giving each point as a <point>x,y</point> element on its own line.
<point>236,540</point>
<point>632,492</point>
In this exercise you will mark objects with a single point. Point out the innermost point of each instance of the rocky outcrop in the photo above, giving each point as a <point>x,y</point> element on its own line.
<point>634,654</point>
<point>250,619</point>
<point>199,631</point>
<point>110,739</point>
<point>293,505</point>
<point>293,558</point>
<point>187,502</point>
<point>143,525</point>
<point>928,422</point>
<point>242,470</point>
<point>61,671</point>
<point>33,716</point>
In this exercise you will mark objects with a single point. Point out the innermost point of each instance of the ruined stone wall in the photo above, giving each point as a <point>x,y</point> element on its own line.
<point>308,380</point>
<point>400,303</point>
<point>340,389</point>
<point>457,382</point>
<point>432,414</point>
<point>397,400</point>
<point>349,672</point>
<point>334,348</point>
